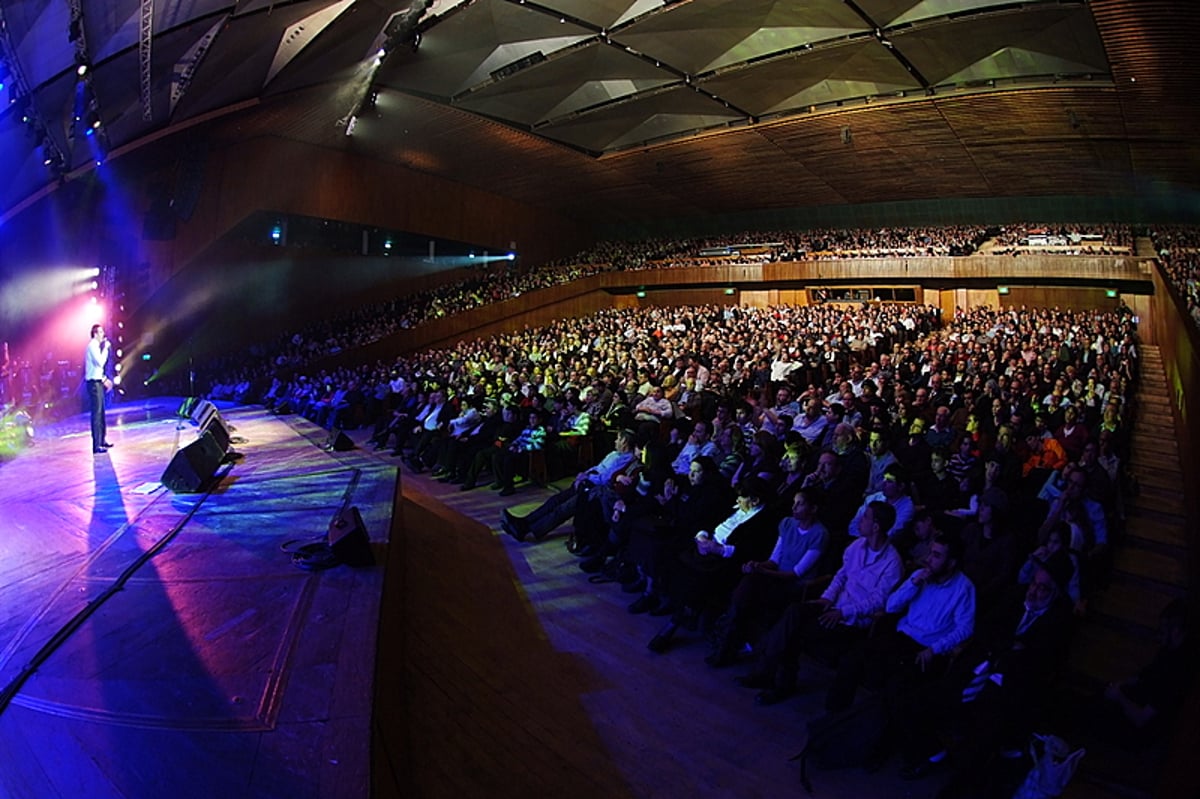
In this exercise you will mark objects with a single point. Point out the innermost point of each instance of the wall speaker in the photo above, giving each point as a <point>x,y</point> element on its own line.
<point>348,538</point>
<point>192,467</point>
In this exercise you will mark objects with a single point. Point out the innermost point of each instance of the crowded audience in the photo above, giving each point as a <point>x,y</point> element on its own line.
<point>987,451</point>
<point>756,454</point>
<point>1179,251</point>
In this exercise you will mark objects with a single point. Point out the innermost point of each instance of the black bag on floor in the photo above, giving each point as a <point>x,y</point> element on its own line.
<point>844,739</point>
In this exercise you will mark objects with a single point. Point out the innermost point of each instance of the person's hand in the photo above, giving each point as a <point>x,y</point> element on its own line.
<point>920,576</point>
<point>108,384</point>
<point>831,618</point>
<point>924,658</point>
<point>750,566</point>
<point>1041,553</point>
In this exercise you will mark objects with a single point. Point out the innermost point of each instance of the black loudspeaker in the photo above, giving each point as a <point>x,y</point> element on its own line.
<point>193,466</point>
<point>215,426</point>
<point>348,538</point>
<point>339,442</point>
<point>206,415</point>
<point>201,410</point>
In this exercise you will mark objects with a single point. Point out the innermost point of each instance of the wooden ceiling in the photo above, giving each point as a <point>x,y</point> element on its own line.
<point>1116,139</point>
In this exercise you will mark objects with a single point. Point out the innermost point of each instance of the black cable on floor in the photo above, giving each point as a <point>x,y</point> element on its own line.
<point>75,622</point>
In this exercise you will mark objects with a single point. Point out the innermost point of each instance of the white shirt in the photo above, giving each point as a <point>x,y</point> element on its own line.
<point>94,360</point>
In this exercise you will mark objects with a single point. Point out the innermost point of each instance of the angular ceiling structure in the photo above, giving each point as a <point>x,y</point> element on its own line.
<point>641,104</point>
<point>602,77</point>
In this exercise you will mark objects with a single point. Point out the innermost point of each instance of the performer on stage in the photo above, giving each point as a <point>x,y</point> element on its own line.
<point>97,382</point>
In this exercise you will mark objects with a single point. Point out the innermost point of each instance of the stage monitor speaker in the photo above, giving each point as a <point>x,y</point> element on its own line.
<point>193,466</point>
<point>201,410</point>
<point>348,538</point>
<point>339,442</point>
<point>216,427</point>
<point>206,415</point>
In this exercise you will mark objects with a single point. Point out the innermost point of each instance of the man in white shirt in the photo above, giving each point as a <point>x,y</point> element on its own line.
<point>97,382</point>
<point>838,620</point>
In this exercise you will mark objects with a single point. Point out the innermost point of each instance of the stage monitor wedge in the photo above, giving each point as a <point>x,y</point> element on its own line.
<point>209,419</point>
<point>348,538</point>
<point>193,467</point>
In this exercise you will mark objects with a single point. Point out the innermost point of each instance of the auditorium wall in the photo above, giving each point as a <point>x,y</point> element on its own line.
<point>281,175</point>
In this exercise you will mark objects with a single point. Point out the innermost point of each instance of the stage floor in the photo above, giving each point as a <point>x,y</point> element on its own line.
<point>164,644</point>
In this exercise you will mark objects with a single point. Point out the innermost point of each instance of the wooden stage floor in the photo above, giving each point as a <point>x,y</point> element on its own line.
<point>219,668</point>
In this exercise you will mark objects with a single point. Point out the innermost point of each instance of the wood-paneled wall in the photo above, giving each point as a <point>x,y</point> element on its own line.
<point>1179,346</point>
<point>1079,298</point>
<point>1044,268</point>
<point>294,177</point>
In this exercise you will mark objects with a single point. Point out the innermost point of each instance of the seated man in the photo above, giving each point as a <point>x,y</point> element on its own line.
<point>662,525</point>
<point>704,576</point>
<point>508,458</point>
<point>563,505</point>
<point>575,426</point>
<point>894,493</point>
<point>698,443</point>
<point>458,430</point>
<point>767,587</point>
<point>1138,711</point>
<point>937,604</point>
<point>998,687</point>
<point>840,618</point>
<point>655,408</point>
<point>1073,506</point>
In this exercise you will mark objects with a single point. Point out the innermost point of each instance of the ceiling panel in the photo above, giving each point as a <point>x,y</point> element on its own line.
<point>686,107</point>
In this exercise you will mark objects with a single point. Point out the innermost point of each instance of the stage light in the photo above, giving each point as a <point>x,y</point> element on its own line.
<point>117,367</point>
<point>512,257</point>
<point>81,70</point>
<point>120,353</point>
<point>121,325</point>
<point>145,356</point>
<point>117,378</point>
<point>95,285</point>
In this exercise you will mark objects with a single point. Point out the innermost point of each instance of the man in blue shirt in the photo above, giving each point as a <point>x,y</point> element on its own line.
<point>937,607</point>
<point>563,505</point>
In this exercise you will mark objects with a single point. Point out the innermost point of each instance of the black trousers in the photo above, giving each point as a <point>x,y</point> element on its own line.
<point>95,390</point>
